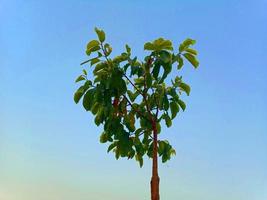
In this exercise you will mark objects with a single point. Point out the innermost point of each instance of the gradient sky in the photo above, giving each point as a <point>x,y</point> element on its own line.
<point>49,146</point>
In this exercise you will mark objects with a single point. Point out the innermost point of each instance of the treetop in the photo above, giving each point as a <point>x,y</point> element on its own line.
<point>127,95</point>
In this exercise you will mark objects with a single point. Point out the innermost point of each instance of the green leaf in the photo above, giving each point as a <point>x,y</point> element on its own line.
<point>161,147</point>
<point>131,154</point>
<point>137,132</point>
<point>173,94</point>
<point>164,158</point>
<point>150,150</point>
<point>129,121</point>
<point>132,95</point>
<point>125,67</point>
<point>185,44</point>
<point>181,104</point>
<point>128,49</point>
<point>122,88</point>
<point>94,61</point>
<point>165,102</point>
<point>149,46</point>
<point>158,44</point>
<point>185,88</point>
<point>173,152</point>
<point>103,137</point>
<point>192,59</point>
<point>163,44</point>
<point>93,49</point>
<point>158,128</point>
<point>120,58</point>
<point>78,94</point>
<point>168,120</point>
<point>114,144</point>
<point>117,153</point>
<point>174,109</point>
<point>87,84</point>
<point>139,158</point>
<point>80,78</point>
<point>100,34</point>
<point>165,150</point>
<point>108,49</point>
<point>148,80</point>
<point>99,66</point>
<point>88,99</point>
<point>143,123</point>
<point>192,51</point>
<point>99,54</point>
<point>189,42</point>
<point>180,62</point>
<point>77,97</point>
<point>139,81</point>
<point>95,108</point>
<point>155,71</point>
<point>84,72</point>
<point>132,122</point>
<point>99,115</point>
<point>92,44</point>
<point>165,56</point>
<point>167,69</point>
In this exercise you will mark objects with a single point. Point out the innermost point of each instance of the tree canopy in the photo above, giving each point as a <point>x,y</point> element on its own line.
<point>128,95</point>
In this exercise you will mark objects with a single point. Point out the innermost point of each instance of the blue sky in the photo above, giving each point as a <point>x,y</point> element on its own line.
<point>49,147</point>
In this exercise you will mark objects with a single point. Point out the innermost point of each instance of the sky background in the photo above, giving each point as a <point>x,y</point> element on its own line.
<point>49,146</point>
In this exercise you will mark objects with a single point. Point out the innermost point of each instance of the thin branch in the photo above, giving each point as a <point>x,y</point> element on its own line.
<point>157,103</point>
<point>151,137</point>
<point>142,134</point>
<point>149,62</point>
<point>141,114</point>
<point>157,112</point>
<point>104,51</point>
<point>132,84</point>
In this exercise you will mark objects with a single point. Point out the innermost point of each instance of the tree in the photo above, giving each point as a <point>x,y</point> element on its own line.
<point>130,98</point>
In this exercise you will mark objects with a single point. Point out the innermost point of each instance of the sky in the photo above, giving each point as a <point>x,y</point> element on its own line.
<point>49,146</point>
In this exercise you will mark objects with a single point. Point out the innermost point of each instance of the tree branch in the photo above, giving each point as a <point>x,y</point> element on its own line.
<point>149,62</point>
<point>138,111</point>
<point>132,84</point>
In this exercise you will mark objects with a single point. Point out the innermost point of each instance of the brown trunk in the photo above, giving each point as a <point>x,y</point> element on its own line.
<point>154,183</point>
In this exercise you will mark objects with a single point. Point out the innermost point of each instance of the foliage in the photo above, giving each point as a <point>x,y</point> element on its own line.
<point>127,96</point>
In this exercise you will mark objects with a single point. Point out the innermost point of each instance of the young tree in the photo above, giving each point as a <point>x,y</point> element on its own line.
<point>130,98</point>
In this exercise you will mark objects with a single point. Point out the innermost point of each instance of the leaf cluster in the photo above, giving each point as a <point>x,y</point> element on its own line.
<point>127,96</point>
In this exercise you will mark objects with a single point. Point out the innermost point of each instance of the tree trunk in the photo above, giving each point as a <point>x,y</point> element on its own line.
<point>154,183</point>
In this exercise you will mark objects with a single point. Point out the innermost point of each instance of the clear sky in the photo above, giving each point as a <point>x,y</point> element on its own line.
<point>49,146</point>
